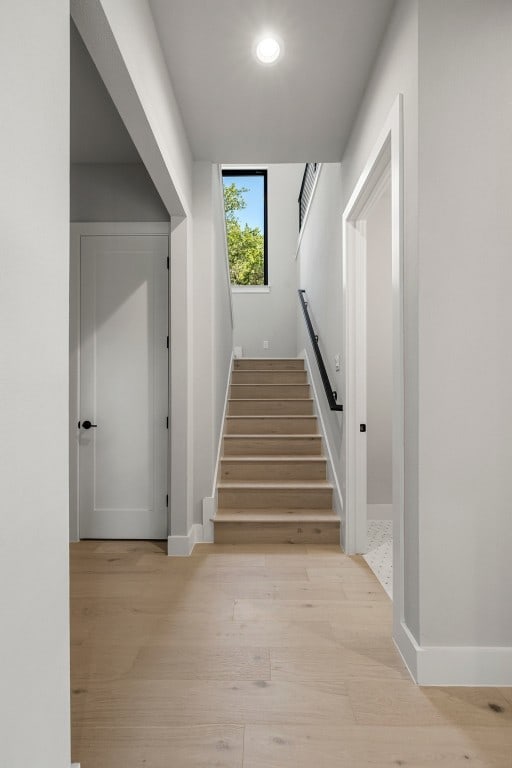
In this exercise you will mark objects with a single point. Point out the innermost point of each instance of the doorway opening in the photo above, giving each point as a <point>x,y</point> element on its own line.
<point>373,291</point>
<point>378,379</point>
<point>119,378</point>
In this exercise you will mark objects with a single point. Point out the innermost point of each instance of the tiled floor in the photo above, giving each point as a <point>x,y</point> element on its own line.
<point>380,552</point>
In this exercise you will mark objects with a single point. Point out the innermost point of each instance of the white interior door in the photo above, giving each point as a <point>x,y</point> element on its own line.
<point>123,387</point>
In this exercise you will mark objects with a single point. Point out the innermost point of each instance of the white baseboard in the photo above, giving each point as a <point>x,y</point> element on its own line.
<point>75,765</point>
<point>210,502</point>
<point>337,499</point>
<point>209,512</point>
<point>182,546</point>
<point>455,665</point>
<point>221,433</point>
<point>407,647</point>
<point>380,511</point>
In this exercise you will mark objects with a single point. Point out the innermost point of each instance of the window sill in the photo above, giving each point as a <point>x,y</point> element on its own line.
<point>250,289</point>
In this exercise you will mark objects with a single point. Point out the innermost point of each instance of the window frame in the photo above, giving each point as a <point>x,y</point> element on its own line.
<point>254,172</point>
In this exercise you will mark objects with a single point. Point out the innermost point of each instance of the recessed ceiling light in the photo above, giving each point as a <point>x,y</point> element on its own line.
<point>268,50</point>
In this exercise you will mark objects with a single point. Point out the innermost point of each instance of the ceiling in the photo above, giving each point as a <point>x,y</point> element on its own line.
<point>302,108</point>
<point>98,134</point>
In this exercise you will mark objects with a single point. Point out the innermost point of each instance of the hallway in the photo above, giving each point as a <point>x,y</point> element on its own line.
<point>256,657</point>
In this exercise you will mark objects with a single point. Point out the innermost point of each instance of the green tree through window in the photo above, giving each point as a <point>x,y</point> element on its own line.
<point>246,242</point>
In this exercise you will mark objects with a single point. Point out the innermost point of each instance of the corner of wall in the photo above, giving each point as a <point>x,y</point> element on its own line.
<point>209,512</point>
<point>454,665</point>
<point>210,502</point>
<point>182,546</point>
<point>181,344</point>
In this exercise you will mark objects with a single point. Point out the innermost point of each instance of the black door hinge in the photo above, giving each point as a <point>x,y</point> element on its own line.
<point>167,422</point>
<point>362,427</point>
<point>167,262</point>
<point>167,342</point>
<point>167,500</point>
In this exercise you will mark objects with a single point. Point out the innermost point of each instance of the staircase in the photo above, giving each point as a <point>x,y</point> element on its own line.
<point>273,486</point>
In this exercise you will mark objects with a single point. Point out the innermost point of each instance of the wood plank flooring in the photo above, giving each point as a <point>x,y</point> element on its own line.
<point>256,656</point>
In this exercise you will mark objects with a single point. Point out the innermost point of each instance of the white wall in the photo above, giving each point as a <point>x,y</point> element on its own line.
<point>379,372</point>
<point>34,256</point>
<point>98,135</point>
<point>114,192</point>
<point>319,273</point>
<point>213,332</point>
<point>223,315</point>
<point>465,319</point>
<point>271,316</point>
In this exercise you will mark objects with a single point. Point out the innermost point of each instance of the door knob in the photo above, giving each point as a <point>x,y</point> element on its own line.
<point>87,424</point>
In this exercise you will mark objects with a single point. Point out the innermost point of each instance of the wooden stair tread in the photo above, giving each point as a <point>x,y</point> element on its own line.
<point>269,376</point>
<point>258,384</point>
<point>269,370</point>
<point>269,399</point>
<point>275,459</point>
<point>270,406</point>
<point>271,359</point>
<point>273,416</point>
<point>275,516</point>
<point>313,435</point>
<point>286,484</point>
<point>268,391</point>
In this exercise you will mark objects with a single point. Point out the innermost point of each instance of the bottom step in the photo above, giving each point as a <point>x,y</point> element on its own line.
<point>258,527</point>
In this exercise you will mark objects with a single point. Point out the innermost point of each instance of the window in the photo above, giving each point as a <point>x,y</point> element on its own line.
<point>245,204</point>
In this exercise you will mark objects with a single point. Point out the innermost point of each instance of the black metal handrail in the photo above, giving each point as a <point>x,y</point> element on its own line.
<point>331,393</point>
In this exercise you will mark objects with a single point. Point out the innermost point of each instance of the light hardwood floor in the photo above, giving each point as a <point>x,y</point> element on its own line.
<point>256,657</point>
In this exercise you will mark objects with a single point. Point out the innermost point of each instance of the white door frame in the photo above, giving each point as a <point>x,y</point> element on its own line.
<point>358,347</point>
<point>77,231</point>
<point>387,152</point>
